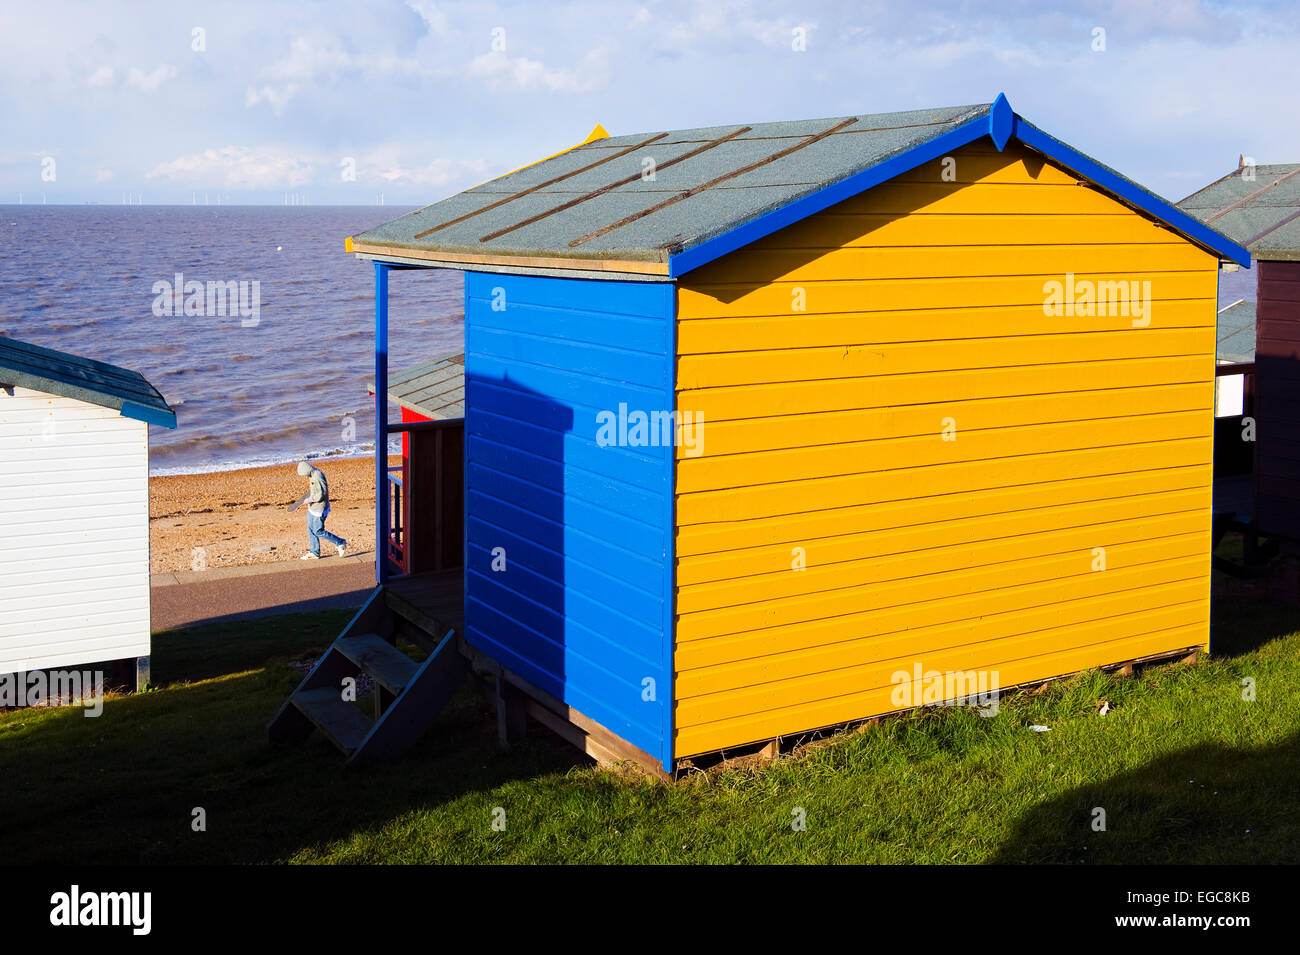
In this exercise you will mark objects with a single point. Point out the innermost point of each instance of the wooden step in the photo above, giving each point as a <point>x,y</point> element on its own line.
<point>390,667</point>
<point>342,722</point>
<point>428,607</point>
<point>405,721</point>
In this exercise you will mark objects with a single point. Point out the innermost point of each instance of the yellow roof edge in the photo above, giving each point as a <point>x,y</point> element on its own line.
<point>597,133</point>
<point>347,244</point>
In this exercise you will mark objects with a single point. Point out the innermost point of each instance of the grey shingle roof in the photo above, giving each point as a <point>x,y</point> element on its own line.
<point>84,379</point>
<point>1236,333</point>
<point>435,389</point>
<point>613,168</point>
<point>1270,198</point>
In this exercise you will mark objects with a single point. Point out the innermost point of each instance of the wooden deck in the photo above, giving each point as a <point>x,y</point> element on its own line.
<point>433,601</point>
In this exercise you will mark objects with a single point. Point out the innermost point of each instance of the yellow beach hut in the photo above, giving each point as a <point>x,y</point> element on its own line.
<point>768,426</point>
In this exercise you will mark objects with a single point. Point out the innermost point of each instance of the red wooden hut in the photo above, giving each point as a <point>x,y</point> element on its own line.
<point>1259,208</point>
<point>428,392</point>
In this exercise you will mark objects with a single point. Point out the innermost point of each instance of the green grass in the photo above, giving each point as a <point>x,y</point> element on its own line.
<point>1185,769</point>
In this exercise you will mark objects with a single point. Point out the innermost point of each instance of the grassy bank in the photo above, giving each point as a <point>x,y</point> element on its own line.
<point>1185,769</point>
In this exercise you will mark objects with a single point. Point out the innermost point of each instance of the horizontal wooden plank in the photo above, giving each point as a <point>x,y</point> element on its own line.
<point>736,564</point>
<point>122,646</point>
<point>575,358</point>
<point>130,549</point>
<point>559,511</point>
<point>90,619</point>
<point>967,166</point>
<point>799,330</point>
<point>568,322</point>
<point>941,198</point>
<point>543,542</point>
<point>1270,329</point>
<point>767,399</point>
<point>851,702</point>
<point>904,358</point>
<point>576,446</point>
<point>551,581</point>
<point>786,611</point>
<point>791,497</point>
<point>932,645</point>
<point>1276,271</point>
<point>1053,599</point>
<point>607,490</point>
<point>698,300</point>
<point>553,396</point>
<point>1286,295</point>
<point>898,455</point>
<point>894,565</point>
<point>876,424</point>
<point>718,540</point>
<point>919,262</point>
<point>1274,315</point>
<point>838,228</point>
<point>60,641</point>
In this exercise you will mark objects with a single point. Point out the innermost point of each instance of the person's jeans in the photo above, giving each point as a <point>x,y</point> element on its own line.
<point>317,532</point>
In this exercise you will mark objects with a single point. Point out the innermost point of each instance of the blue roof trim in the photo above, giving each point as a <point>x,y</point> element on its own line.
<point>164,419</point>
<point>1001,124</point>
<point>1002,121</point>
<point>835,193</point>
<point>1131,192</point>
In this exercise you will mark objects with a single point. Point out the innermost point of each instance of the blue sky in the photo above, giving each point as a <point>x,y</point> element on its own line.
<point>422,99</point>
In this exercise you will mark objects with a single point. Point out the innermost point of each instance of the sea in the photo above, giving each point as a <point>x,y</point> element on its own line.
<point>289,385</point>
<point>287,382</point>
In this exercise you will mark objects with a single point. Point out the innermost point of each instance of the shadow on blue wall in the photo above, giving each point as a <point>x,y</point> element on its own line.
<point>515,527</point>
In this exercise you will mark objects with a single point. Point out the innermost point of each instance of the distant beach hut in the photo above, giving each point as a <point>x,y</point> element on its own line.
<point>1259,208</point>
<point>769,427</point>
<point>430,391</point>
<point>74,509</point>
<point>1234,408</point>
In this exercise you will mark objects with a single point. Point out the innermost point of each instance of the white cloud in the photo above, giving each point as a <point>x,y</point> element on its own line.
<point>433,18</point>
<point>137,78</point>
<point>319,57</point>
<point>236,167</point>
<point>276,97</point>
<point>275,168</point>
<point>1184,84</point>
<point>101,77</point>
<point>435,174</point>
<point>502,72</point>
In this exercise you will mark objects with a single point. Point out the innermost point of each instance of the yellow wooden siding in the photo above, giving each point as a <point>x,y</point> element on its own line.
<point>822,440</point>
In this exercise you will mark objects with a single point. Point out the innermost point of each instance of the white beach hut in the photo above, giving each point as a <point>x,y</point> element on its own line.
<point>74,510</point>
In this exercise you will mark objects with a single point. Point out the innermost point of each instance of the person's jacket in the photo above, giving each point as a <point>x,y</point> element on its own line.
<point>318,500</point>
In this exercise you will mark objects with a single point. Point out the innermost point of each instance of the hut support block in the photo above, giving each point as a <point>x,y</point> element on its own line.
<point>517,699</point>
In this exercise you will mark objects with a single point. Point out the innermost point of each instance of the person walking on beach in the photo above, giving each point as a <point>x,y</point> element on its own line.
<point>318,508</point>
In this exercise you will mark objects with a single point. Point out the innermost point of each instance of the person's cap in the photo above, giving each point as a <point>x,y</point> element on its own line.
<point>304,468</point>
